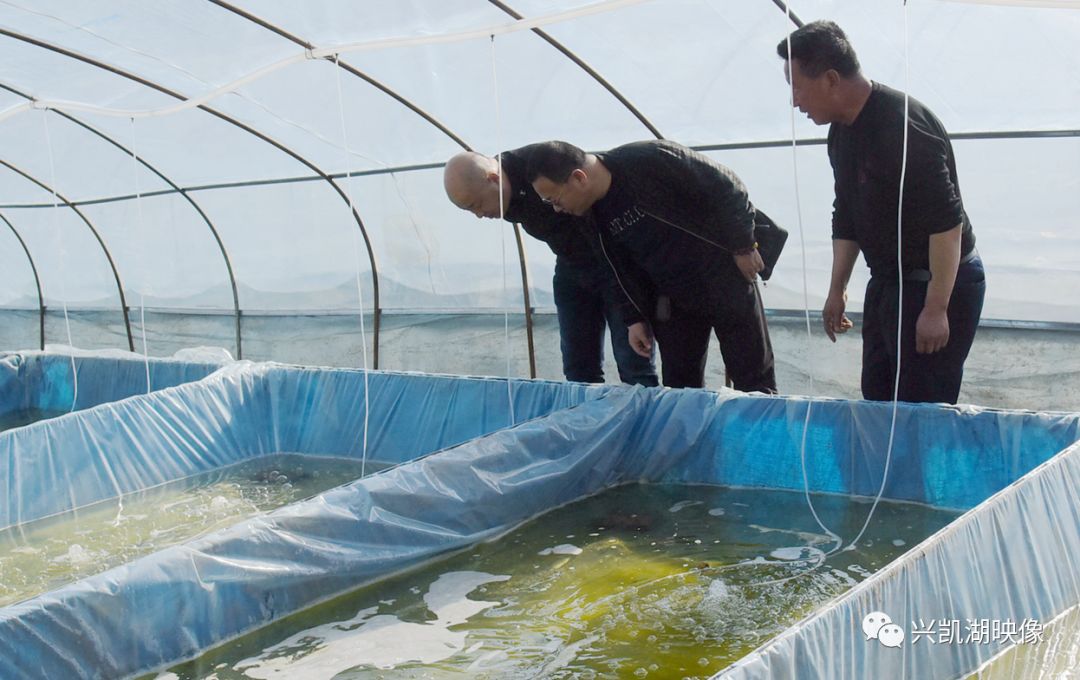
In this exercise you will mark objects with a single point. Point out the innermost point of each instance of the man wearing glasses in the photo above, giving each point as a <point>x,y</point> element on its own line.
<point>677,230</point>
<point>584,300</point>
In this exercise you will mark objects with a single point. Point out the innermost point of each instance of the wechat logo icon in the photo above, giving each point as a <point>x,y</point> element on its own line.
<point>878,626</point>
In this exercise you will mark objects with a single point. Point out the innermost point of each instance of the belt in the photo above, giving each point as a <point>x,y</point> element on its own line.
<point>924,274</point>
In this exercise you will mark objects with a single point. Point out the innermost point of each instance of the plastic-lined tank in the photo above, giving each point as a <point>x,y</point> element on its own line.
<point>463,470</point>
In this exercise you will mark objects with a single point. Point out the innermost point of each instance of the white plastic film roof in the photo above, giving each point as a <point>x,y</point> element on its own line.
<point>246,172</point>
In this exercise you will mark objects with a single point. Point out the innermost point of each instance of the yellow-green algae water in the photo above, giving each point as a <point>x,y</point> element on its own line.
<point>642,581</point>
<point>39,556</point>
<point>1055,657</point>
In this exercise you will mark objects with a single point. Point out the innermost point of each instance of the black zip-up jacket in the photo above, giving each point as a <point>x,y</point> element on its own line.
<point>564,233</point>
<point>682,189</point>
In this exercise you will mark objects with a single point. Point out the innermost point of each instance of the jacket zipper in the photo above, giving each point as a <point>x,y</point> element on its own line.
<point>618,279</point>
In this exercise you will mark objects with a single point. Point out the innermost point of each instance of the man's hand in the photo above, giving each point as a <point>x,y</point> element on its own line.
<point>833,317</point>
<point>749,264</point>
<point>931,330</point>
<point>641,338</point>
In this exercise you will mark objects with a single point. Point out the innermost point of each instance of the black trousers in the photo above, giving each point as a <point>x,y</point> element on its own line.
<point>585,305</point>
<point>923,377</point>
<point>738,319</point>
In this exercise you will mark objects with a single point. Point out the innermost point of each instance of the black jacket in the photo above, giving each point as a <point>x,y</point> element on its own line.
<point>681,189</point>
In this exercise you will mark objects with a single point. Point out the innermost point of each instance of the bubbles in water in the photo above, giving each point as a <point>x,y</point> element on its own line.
<point>643,601</point>
<point>45,554</point>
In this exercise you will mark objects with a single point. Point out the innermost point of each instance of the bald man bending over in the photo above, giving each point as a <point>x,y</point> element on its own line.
<point>583,297</point>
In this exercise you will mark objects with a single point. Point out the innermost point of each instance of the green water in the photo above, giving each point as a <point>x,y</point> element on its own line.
<point>39,556</point>
<point>637,582</point>
<point>13,419</point>
<point>1056,655</point>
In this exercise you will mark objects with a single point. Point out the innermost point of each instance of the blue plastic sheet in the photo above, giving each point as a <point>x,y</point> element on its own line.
<point>246,410</point>
<point>46,381</point>
<point>570,441</point>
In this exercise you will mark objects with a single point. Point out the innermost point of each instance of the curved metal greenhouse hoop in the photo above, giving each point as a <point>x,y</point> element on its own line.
<point>246,128</point>
<point>182,192</point>
<point>101,242</point>
<point>37,281</point>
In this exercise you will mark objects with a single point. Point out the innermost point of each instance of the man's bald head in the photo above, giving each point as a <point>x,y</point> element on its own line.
<point>471,181</point>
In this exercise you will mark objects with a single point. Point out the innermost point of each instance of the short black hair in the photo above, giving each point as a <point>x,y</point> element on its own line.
<point>820,46</point>
<point>554,161</point>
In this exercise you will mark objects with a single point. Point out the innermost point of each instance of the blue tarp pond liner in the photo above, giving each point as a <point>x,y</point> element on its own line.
<point>490,470</point>
<point>35,384</point>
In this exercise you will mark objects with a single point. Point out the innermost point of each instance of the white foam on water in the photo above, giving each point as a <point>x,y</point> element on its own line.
<point>899,542</point>
<point>803,536</point>
<point>566,656</point>
<point>718,590</point>
<point>716,512</point>
<point>491,659</point>
<point>684,504</point>
<point>76,555</point>
<point>563,549</point>
<point>802,552</point>
<point>382,641</point>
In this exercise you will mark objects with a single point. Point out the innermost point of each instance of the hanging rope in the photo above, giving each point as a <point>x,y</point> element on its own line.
<point>502,229</point>
<point>806,305</point>
<point>60,249</point>
<point>806,301</point>
<point>356,254</point>
<point>899,286</point>
<point>139,231</point>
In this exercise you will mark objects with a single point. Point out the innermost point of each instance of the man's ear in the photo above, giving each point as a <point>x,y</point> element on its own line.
<point>579,175</point>
<point>493,177</point>
<point>832,76</point>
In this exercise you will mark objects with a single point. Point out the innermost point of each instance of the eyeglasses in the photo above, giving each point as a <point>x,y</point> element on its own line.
<point>554,200</point>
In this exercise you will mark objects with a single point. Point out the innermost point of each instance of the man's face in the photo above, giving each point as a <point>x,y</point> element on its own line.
<point>568,197</point>
<point>812,96</point>
<point>485,201</point>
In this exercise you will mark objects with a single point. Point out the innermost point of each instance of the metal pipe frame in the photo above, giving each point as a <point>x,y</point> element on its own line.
<point>101,242</point>
<point>569,54</point>
<point>37,280</point>
<point>729,146</point>
<point>246,128</point>
<point>176,189</point>
<point>430,119</point>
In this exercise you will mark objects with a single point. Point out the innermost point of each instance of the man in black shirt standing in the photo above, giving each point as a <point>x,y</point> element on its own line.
<point>677,229</point>
<point>583,297</point>
<point>943,279</point>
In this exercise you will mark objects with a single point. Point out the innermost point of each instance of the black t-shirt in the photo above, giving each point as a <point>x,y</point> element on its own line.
<point>677,264</point>
<point>562,232</point>
<point>866,159</point>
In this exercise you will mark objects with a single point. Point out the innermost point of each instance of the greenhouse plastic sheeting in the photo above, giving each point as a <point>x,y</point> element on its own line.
<point>44,380</point>
<point>198,594</point>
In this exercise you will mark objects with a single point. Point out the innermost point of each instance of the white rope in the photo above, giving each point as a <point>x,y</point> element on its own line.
<point>63,266</point>
<point>806,300</point>
<point>334,51</point>
<point>900,289</point>
<point>502,228</point>
<point>138,234</point>
<point>356,255</point>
